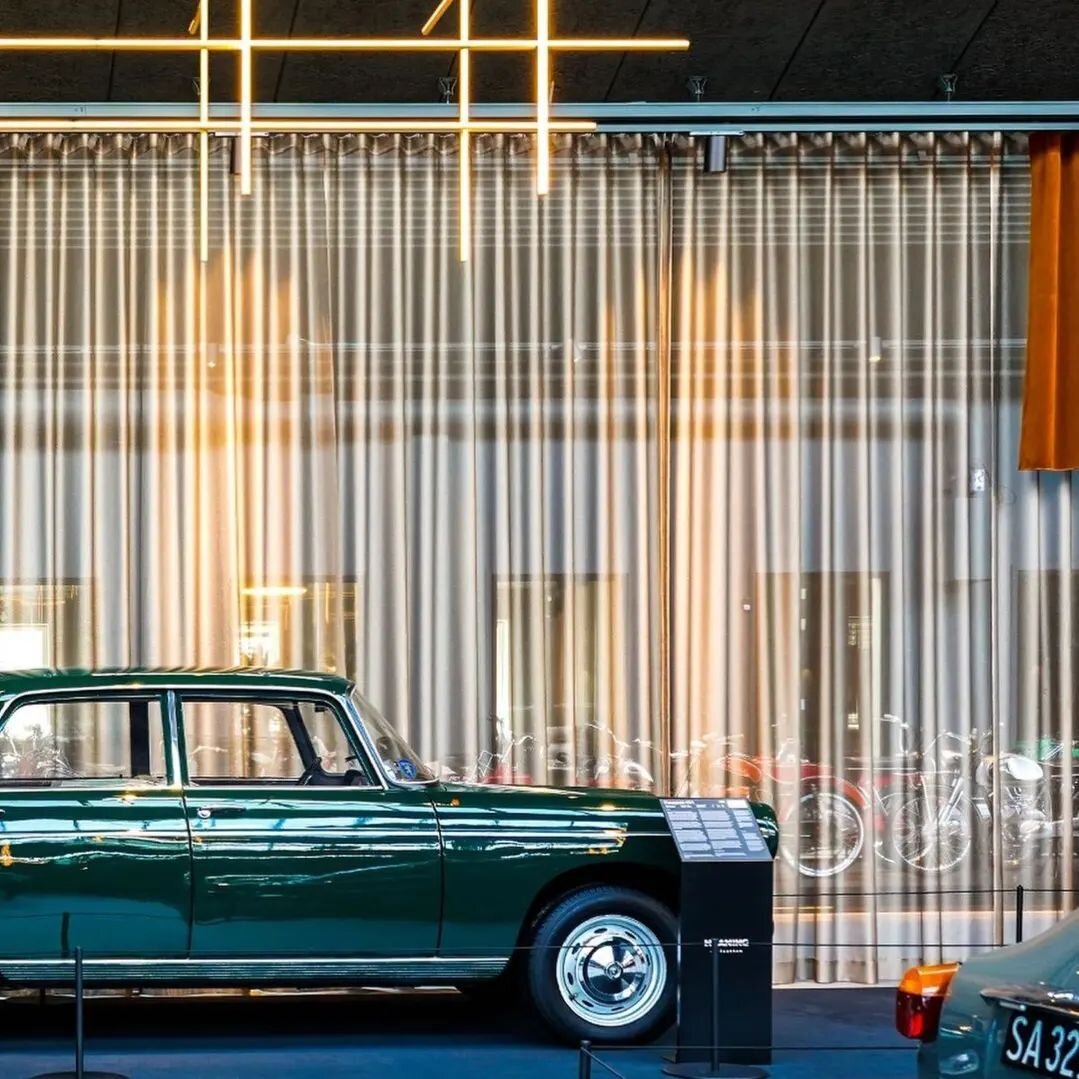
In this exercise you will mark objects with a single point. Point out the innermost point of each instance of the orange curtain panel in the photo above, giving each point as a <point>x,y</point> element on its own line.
<point>1050,434</point>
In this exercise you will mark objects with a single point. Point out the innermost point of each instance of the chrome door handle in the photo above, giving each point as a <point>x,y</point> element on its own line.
<point>206,812</point>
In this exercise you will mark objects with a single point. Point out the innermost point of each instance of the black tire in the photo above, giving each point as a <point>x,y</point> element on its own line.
<point>549,963</point>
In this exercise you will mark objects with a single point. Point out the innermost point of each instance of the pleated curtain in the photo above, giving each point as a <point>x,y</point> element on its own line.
<point>701,482</point>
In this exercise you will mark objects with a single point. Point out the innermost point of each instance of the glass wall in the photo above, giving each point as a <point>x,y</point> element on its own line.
<point>847,350</point>
<point>696,482</point>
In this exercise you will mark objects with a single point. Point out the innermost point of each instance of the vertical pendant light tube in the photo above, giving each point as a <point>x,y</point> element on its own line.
<point>204,134</point>
<point>543,97</point>
<point>245,97</point>
<point>464,140</point>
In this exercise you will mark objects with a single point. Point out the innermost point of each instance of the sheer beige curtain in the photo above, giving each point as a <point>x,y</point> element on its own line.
<point>870,605</point>
<point>334,445</point>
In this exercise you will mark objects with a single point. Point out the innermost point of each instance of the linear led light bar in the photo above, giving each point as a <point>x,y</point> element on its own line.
<point>246,45</point>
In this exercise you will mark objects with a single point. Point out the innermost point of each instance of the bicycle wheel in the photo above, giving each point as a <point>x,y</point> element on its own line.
<point>822,834</point>
<point>930,832</point>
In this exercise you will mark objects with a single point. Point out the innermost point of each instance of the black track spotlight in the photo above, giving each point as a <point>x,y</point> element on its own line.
<point>715,153</point>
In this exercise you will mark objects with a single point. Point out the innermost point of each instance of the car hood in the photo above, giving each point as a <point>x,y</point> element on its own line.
<point>568,806</point>
<point>574,807</point>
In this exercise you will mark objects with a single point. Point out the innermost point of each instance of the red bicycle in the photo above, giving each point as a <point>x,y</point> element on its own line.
<point>821,815</point>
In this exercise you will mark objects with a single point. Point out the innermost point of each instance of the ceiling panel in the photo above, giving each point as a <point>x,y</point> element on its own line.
<point>25,76</point>
<point>881,50</point>
<point>740,47</point>
<point>1025,52</point>
<point>393,77</point>
<point>748,49</point>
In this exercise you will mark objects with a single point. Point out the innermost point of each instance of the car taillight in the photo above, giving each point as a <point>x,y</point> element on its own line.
<point>919,1000</point>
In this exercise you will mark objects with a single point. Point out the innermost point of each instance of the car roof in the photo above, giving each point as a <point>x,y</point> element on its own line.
<point>46,678</point>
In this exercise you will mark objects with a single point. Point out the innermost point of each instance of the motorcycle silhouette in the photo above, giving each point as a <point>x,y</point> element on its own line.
<point>964,781</point>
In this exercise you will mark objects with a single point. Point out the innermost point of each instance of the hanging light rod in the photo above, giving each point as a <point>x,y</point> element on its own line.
<point>172,126</point>
<point>435,16</point>
<point>338,44</point>
<point>541,43</point>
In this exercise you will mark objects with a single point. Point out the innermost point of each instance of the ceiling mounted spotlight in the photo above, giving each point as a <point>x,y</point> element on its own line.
<point>715,153</point>
<point>447,88</point>
<point>695,84</point>
<point>948,84</point>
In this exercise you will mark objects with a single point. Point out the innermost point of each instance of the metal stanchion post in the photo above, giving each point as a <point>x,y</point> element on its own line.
<point>80,1046</point>
<point>715,1009</point>
<point>80,1071</point>
<point>584,1061</point>
<point>1018,914</point>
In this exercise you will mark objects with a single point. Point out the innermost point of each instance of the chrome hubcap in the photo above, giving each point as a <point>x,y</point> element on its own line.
<point>611,970</point>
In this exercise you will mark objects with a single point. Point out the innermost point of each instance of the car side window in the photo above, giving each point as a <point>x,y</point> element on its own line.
<point>71,742</point>
<point>282,741</point>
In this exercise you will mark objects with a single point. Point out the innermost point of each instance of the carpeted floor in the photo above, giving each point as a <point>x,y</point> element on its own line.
<point>414,1035</point>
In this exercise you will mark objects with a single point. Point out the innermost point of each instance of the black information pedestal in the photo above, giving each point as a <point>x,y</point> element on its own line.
<point>725,938</point>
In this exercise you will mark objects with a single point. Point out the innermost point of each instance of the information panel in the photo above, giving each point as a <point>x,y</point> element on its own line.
<point>715,830</point>
<point>724,937</point>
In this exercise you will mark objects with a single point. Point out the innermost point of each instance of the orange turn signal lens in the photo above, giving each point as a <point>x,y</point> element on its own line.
<point>920,998</point>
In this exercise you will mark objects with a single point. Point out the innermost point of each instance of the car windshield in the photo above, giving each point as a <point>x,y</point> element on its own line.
<point>397,756</point>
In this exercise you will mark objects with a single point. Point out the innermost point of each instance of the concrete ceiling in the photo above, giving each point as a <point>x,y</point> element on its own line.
<point>749,50</point>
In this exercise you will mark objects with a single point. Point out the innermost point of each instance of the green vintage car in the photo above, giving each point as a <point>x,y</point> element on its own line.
<point>239,827</point>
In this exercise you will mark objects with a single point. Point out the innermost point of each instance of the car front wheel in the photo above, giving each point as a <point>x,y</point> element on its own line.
<point>602,966</point>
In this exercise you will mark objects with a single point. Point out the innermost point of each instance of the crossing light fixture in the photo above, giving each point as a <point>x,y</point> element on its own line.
<point>542,43</point>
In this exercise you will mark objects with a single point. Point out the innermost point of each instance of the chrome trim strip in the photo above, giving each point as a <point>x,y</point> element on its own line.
<point>288,970</point>
<point>425,840</point>
<point>204,788</point>
<point>451,833</point>
<point>1018,998</point>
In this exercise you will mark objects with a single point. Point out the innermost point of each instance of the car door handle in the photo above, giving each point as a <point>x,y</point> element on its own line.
<point>206,812</point>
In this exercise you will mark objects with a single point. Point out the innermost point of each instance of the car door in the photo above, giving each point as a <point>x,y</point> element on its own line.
<point>299,847</point>
<point>94,849</point>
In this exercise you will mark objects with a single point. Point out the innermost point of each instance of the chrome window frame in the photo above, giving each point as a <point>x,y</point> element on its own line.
<point>252,695</point>
<point>128,692</point>
<point>388,777</point>
<point>174,727</point>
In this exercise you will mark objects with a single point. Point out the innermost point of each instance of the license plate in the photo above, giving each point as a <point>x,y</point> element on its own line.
<point>1042,1043</point>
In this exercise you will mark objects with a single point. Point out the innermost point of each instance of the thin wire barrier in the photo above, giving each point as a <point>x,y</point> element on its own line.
<point>1019,893</point>
<point>718,1050</point>
<point>586,1058</point>
<point>1019,888</point>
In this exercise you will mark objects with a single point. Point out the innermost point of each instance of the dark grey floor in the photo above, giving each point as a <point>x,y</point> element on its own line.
<point>413,1035</point>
